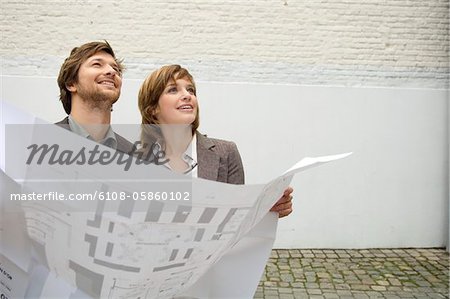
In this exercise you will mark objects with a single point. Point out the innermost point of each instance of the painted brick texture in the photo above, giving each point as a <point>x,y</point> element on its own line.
<point>352,43</point>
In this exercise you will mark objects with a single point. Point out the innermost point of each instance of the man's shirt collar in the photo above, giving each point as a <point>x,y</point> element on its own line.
<point>109,139</point>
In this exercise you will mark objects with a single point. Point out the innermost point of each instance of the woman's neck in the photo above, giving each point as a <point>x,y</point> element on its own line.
<point>177,139</point>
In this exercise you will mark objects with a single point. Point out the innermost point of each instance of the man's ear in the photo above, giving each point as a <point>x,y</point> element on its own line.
<point>71,87</point>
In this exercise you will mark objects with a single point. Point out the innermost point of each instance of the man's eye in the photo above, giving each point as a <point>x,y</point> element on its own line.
<point>96,64</point>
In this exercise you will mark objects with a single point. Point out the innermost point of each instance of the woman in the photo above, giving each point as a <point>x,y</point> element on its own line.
<point>167,98</point>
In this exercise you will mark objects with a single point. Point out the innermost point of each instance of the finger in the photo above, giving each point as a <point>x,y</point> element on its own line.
<point>284,213</point>
<point>286,206</point>
<point>282,200</point>
<point>281,207</point>
<point>283,203</point>
<point>288,190</point>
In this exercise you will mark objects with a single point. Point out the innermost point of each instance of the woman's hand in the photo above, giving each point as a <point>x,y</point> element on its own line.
<point>284,205</point>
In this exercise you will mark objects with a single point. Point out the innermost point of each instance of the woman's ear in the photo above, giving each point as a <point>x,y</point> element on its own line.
<point>155,112</point>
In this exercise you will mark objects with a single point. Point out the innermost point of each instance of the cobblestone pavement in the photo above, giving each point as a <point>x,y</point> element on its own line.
<point>368,273</point>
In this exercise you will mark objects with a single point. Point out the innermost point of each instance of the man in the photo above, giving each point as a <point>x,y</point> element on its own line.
<point>90,80</point>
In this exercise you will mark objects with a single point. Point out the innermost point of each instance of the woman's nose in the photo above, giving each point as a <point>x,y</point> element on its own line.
<point>186,95</point>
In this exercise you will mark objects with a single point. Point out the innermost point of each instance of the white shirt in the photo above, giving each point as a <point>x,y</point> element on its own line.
<point>189,156</point>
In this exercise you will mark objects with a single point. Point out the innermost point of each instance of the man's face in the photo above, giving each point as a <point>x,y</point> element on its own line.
<point>99,81</point>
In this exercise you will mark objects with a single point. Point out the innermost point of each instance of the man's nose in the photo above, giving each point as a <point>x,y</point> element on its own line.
<point>111,71</point>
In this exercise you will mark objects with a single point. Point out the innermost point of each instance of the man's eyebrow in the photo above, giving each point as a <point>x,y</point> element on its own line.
<point>97,59</point>
<point>100,59</point>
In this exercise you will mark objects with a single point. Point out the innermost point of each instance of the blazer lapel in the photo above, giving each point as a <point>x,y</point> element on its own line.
<point>64,123</point>
<point>208,160</point>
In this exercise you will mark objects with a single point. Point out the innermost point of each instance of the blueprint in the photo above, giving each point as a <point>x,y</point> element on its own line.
<point>132,246</point>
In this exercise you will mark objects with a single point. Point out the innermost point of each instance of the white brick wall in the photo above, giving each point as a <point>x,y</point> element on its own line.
<point>352,43</point>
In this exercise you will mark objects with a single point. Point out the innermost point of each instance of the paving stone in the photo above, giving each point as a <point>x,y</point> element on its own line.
<point>374,294</point>
<point>405,295</point>
<point>382,282</point>
<point>394,282</point>
<point>300,293</point>
<point>326,285</point>
<point>331,295</point>
<point>287,277</point>
<point>285,290</point>
<point>423,283</point>
<point>360,287</point>
<point>344,293</point>
<point>314,291</point>
<point>368,281</point>
<point>271,293</point>
<point>366,273</point>
<point>361,296</point>
<point>270,284</point>
<point>310,285</point>
<point>342,286</point>
<point>378,288</point>
<point>394,288</point>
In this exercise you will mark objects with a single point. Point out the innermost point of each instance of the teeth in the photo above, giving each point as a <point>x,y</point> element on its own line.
<point>107,83</point>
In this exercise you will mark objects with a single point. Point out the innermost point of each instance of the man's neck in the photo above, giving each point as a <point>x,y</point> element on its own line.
<point>95,121</point>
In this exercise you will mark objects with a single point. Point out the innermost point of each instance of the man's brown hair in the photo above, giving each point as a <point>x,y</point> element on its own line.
<point>68,73</point>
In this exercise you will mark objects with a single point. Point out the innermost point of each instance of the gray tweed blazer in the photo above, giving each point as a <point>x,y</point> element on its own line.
<point>219,160</point>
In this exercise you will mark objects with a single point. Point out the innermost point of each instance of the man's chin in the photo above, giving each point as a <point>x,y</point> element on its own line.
<point>103,102</point>
<point>110,97</point>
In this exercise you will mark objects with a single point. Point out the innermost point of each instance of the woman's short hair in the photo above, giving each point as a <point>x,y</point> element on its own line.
<point>153,87</point>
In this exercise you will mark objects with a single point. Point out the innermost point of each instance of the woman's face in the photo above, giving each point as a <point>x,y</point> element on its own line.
<point>178,103</point>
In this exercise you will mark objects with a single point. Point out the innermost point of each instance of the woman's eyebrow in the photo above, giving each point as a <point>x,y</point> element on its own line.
<point>170,85</point>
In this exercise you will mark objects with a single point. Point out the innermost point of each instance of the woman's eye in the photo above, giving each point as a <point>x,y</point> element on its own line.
<point>191,90</point>
<point>172,90</point>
